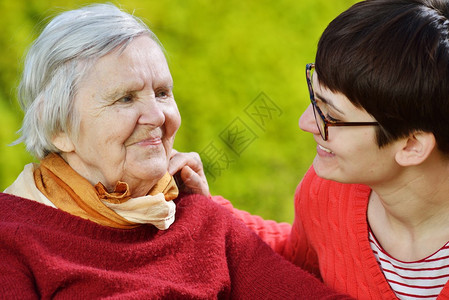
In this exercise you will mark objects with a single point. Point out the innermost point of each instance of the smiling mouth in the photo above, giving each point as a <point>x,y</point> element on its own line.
<point>150,142</point>
<point>324,149</point>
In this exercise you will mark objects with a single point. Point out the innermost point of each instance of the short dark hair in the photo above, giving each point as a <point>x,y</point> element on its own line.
<point>391,57</point>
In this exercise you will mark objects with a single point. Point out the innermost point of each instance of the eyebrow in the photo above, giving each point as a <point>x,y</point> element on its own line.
<point>168,86</point>
<point>121,91</point>
<point>328,102</point>
<point>113,94</point>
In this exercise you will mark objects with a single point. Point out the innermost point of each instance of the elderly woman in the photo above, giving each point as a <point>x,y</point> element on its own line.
<point>372,214</point>
<point>100,216</point>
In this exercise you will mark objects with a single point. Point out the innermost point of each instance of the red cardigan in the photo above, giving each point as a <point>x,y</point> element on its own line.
<point>206,254</point>
<point>329,237</point>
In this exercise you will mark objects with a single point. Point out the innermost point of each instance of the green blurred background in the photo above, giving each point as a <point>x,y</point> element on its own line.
<point>238,68</point>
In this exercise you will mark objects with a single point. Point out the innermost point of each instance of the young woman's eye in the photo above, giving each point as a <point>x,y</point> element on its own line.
<point>325,110</point>
<point>331,119</point>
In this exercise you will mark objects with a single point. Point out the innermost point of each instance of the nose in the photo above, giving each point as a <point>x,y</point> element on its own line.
<point>152,113</point>
<point>307,121</point>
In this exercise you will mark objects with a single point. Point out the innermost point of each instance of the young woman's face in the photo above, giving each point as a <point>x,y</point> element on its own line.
<point>350,154</point>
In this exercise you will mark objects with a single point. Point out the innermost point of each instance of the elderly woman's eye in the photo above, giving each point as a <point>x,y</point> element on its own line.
<point>162,94</point>
<point>125,99</point>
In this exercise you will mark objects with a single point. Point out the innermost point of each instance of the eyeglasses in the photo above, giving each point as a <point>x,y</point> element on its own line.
<point>320,119</point>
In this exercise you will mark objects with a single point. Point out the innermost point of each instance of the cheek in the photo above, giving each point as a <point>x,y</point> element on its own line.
<point>118,127</point>
<point>172,121</point>
<point>364,157</point>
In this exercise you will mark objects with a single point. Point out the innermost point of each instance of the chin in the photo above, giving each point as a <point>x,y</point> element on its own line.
<point>334,176</point>
<point>322,175</point>
<point>148,169</point>
<point>323,171</point>
<point>158,166</point>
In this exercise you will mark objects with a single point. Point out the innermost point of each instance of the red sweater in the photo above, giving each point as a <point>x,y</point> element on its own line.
<point>329,237</point>
<point>206,254</point>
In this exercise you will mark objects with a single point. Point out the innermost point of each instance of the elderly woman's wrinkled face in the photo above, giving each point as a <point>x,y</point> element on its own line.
<point>128,118</point>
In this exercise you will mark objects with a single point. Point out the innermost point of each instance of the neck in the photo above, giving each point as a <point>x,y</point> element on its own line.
<point>410,215</point>
<point>137,186</point>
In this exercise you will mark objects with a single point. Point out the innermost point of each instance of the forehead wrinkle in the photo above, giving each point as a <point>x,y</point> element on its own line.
<point>125,81</point>
<point>140,75</point>
<point>154,67</point>
<point>124,71</point>
<point>121,89</point>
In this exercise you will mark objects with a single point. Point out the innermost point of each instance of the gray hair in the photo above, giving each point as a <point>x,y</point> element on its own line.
<point>57,61</point>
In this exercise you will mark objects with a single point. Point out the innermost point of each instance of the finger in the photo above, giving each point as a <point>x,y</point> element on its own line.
<point>193,182</point>
<point>173,153</point>
<point>186,174</point>
<point>195,162</point>
<point>179,160</point>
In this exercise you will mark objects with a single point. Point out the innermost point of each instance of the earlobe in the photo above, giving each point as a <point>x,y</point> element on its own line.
<point>63,142</point>
<point>416,149</point>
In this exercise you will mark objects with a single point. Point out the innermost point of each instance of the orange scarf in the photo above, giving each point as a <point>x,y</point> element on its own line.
<point>71,192</point>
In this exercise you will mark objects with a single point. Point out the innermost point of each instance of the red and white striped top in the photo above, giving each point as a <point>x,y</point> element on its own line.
<point>422,279</point>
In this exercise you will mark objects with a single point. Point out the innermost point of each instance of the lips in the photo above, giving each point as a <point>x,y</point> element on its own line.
<point>150,141</point>
<point>145,137</point>
<point>147,141</point>
<point>324,149</point>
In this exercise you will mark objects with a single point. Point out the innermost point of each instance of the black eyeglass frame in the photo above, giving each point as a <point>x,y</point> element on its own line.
<point>316,110</point>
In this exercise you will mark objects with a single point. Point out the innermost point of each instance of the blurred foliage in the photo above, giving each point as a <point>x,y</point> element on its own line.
<point>222,55</point>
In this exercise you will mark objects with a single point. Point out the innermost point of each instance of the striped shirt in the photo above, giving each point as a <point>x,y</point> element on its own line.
<point>422,279</point>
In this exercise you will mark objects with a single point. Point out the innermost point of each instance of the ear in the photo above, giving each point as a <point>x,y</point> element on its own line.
<point>416,149</point>
<point>63,142</point>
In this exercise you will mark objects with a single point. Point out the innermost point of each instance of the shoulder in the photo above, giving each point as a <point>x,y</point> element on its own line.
<point>196,205</point>
<point>210,218</point>
<point>30,217</point>
<point>20,209</point>
<point>201,212</point>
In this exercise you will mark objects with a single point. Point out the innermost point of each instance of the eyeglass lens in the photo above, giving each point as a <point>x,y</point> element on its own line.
<point>318,117</point>
<point>319,121</point>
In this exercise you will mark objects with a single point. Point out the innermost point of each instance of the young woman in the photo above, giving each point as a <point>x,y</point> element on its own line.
<point>372,213</point>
